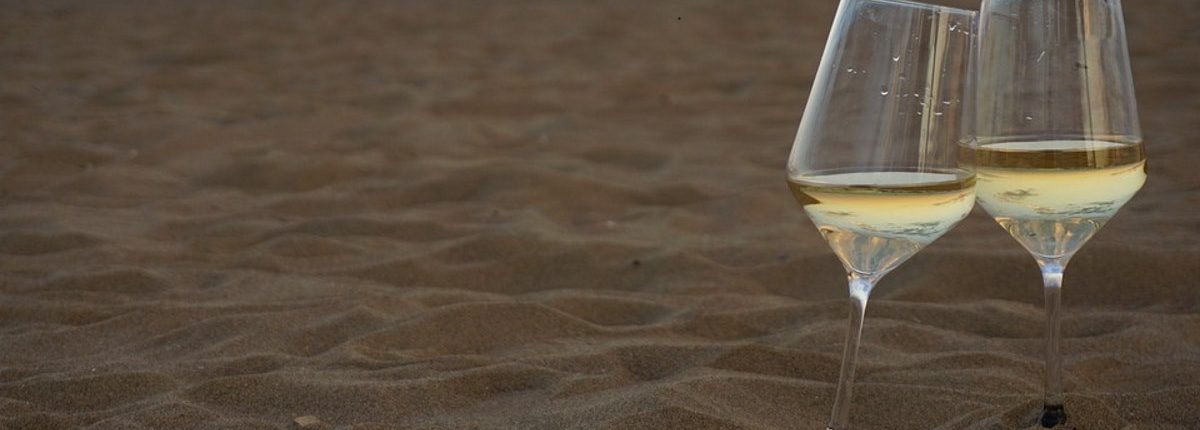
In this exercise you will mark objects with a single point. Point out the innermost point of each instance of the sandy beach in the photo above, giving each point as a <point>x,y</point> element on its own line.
<point>523,214</point>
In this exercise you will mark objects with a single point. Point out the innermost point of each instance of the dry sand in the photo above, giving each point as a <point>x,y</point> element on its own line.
<point>521,214</point>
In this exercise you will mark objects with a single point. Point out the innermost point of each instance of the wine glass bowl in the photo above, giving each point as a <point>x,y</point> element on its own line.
<point>893,75</point>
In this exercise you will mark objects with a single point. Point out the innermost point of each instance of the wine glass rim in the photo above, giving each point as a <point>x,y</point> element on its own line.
<point>920,5</point>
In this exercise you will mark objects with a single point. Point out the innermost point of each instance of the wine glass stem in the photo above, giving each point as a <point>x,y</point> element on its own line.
<point>860,289</point>
<point>1052,410</point>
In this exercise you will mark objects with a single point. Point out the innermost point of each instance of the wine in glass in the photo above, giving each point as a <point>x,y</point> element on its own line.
<point>1056,143</point>
<point>874,163</point>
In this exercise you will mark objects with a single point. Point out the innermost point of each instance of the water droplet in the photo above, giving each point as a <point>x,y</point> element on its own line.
<point>884,90</point>
<point>954,26</point>
<point>896,58</point>
<point>850,70</point>
<point>938,113</point>
<point>946,102</point>
<point>919,113</point>
<point>1028,117</point>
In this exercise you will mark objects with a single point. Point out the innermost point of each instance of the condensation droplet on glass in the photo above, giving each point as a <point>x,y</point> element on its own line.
<point>883,90</point>
<point>850,70</point>
<point>946,102</point>
<point>1028,117</point>
<point>938,113</point>
<point>895,58</point>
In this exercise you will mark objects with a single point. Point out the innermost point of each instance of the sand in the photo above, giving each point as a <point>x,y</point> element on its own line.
<point>521,214</point>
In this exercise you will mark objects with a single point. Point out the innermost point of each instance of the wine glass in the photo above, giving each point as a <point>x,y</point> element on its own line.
<point>1056,143</point>
<point>875,160</point>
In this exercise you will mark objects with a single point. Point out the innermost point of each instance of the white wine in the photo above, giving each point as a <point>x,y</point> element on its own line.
<point>876,220</point>
<point>1052,196</point>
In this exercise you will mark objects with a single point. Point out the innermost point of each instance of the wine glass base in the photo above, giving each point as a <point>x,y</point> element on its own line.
<point>1052,415</point>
